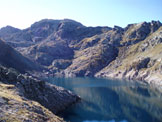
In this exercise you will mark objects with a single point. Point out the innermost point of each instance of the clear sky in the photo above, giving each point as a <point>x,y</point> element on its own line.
<point>22,13</point>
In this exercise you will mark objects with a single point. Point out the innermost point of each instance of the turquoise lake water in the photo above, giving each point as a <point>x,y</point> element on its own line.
<point>105,100</point>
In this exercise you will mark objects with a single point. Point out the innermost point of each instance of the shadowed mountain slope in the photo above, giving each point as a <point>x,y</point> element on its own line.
<point>11,58</point>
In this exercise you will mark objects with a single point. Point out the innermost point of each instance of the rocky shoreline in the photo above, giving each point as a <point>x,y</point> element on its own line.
<point>25,99</point>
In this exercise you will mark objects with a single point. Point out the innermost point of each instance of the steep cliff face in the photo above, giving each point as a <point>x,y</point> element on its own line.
<point>68,48</point>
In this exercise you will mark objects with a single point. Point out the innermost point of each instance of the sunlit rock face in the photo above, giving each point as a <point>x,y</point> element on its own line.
<point>92,51</point>
<point>139,61</point>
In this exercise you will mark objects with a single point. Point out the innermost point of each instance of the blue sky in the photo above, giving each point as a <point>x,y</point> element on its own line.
<point>22,13</point>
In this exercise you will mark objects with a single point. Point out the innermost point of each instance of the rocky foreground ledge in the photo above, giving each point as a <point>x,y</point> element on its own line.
<point>25,99</point>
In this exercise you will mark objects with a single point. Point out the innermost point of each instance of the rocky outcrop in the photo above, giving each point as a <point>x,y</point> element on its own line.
<point>14,108</point>
<point>29,98</point>
<point>53,97</point>
<point>90,60</point>
<point>141,61</point>
<point>138,32</point>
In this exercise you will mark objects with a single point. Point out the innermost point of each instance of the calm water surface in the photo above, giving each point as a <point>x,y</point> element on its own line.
<point>106,100</point>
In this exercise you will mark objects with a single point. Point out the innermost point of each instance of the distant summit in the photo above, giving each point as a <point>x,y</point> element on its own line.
<point>6,31</point>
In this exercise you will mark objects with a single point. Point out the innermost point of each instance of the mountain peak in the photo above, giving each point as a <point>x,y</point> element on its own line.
<point>53,22</point>
<point>8,30</point>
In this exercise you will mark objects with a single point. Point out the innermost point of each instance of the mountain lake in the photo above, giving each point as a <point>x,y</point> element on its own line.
<point>106,100</point>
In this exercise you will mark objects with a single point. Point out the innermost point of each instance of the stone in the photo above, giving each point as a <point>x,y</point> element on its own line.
<point>28,91</point>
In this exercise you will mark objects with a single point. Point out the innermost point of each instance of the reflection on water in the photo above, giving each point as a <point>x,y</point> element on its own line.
<point>103,121</point>
<point>106,100</point>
